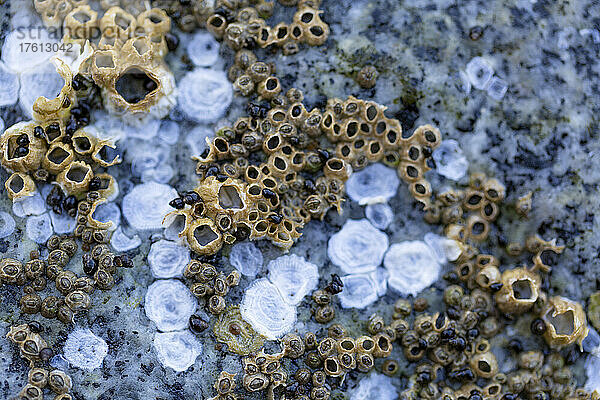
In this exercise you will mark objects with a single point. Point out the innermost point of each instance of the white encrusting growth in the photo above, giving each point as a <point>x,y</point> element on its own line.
<point>121,242</point>
<point>203,49</point>
<point>177,350</point>
<point>62,223</point>
<point>167,259</point>
<point>147,204</point>
<point>592,366</point>
<point>85,350</point>
<point>16,59</point>
<point>196,139</point>
<point>358,247</point>
<point>450,160</point>
<point>374,184</point>
<point>294,277</point>
<point>359,291</point>
<point>205,95</point>
<point>380,215</point>
<point>9,87</point>
<point>39,228</point>
<point>30,205</point>
<point>412,266</point>
<point>169,304</point>
<point>169,132</point>
<point>44,81</point>
<point>246,258</point>
<point>7,224</point>
<point>479,72</point>
<point>375,386</point>
<point>444,248</point>
<point>264,308</point>
<point>497,88</point>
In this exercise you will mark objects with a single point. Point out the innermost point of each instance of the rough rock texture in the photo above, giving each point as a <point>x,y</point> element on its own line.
<point>542,136</point>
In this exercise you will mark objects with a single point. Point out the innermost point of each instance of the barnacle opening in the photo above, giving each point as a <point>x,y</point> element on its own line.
<point>564,323</point>
<point>57,155</point>
<point>204,235</point>
<point>77,173</point>
<point>16,183</point>
<point>229,198</point>
<point>135,84</point>
<point>522,289</point>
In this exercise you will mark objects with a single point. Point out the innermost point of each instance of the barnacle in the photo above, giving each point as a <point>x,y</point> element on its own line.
<point>520,290</point>
<point>236,333</point>
<point>565,322</point>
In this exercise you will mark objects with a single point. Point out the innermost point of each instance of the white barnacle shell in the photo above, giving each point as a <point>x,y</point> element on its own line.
<point>450,160</point>
<point>169,303</point>
<point>147,204</point>
<point>358,247</point>
<point>264,308</point>
<point>39,228</point>
<point>121,242</point>
<point>9,87</point>
<point>374,386</point>
<point>412,266</point>
<point>445,249</point>
<point>294,277</point>
<point>203,49</point>
<point>85,350</point>
<point>177,350</point>
<point>359,291</point>
<point>205,95</point>
<point>374,184</point>
<point>380,215</point>
<point>246,258</point>
<point>7,224</point>
<point>167,259</point>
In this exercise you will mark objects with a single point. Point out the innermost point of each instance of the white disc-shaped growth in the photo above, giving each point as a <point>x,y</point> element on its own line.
<point>7,224</point>
<point>246,258</point>
<point>39,228</point>
<point>205,95</point>
<point>85,350</point>
<point>203,49</point>
<point>177,350</point>
<point>359,291</point>
<point>374,386</point>
<point>264,308</point>
<point>169,304</point>
<point>374,184</point>
<point>412,266</point>
<point>168,259</point>
<point>9,87</point>
<point>380,215</point>
<point>294,277</point>
<point>450,160</point>
<point>147,204</point>
<point>358,247</point>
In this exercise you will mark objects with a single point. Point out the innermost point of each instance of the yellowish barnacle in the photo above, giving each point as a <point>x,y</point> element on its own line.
<point>58,156</point>
<point>236,333</point>
<point>565,322</point>
<point>203,236</point>
<point>594,310</point>
<point>83,142</point>
<point>19,185</point>
<point>105,153</point>
<point>80,25</point>
<point>12,157</point>
<point>523,205</point>
<point>58,108</point>
<point>76,178</point>
<point>520,290</point>
<point>109,188</point>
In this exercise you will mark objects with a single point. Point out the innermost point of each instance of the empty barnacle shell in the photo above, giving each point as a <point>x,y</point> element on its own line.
<point>19,185</point>
<point>75,179</point>
<point>83,142</point>
<point>45,109</point>
<point>80,24</point>
<point>58,156</point>
<point>565,322</point>
<point>203,236</point>
<point>105,153</point>
<point>520,290</point>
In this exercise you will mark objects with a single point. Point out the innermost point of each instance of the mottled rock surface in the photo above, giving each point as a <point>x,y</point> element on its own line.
<point>542,136</point>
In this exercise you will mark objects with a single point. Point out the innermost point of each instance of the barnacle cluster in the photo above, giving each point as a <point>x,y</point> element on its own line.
<point>210,284</point>
<point>40,376</point>
<point>74,291</point>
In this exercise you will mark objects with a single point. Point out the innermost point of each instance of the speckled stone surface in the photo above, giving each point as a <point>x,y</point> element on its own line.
<point>541,137</point>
